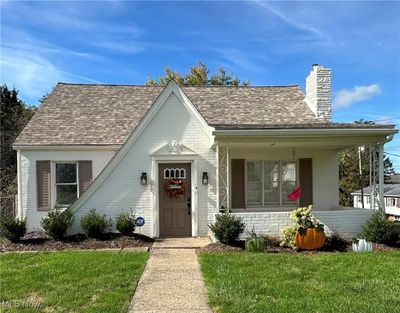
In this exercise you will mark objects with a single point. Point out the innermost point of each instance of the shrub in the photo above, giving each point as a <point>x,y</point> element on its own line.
<point>126,223</point>
<point>13,228</point>
<point>304,219</point>
<point>94,224</point>
<point>378,228</point>
<point>227,227</point>
<point>335,242</point>
<point>289,234</point>
<point>56,223</point>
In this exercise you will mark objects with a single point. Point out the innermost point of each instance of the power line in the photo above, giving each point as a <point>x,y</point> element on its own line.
<point>396,155</point>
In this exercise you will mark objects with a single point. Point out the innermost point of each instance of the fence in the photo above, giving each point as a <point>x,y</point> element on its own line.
<point>8,206</point>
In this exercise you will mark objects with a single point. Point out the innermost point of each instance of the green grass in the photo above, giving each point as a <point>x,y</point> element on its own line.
<point>70,281</point>
<point>338,282</point>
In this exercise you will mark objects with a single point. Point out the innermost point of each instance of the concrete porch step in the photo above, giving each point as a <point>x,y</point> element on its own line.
<point>181,243</point>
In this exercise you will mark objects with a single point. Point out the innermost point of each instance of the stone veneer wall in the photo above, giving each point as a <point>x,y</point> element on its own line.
<point>318,92</point>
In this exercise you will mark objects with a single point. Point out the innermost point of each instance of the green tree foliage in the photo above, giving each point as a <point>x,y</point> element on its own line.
<point>14,114</point>
<point>349,177</point>
<point>199,75</point>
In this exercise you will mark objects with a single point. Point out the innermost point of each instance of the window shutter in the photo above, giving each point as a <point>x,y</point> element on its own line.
<point>43,185</point>
<point>85,175</point>
<point>306,184</point>
<point>238,183</point>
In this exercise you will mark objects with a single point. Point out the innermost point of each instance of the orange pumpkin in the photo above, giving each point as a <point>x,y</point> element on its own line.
<point>312,240</point>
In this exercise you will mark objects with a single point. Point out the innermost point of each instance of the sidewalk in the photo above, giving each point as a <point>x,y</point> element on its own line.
<point>172,280</point>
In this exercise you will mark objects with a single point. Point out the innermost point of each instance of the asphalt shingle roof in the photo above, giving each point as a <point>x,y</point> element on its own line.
<point>388,190</point>
<point>87,114</point>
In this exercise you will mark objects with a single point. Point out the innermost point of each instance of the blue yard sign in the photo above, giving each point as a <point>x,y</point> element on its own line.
<point>140,221</point>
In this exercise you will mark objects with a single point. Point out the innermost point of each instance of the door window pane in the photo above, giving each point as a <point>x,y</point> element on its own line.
<point>254,182</point>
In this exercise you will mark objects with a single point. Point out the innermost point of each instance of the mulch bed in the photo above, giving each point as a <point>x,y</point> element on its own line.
<point>273,247</point>
<point>39,241</point>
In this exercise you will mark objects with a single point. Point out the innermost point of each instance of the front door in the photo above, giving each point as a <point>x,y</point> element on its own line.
<point>175,200</point>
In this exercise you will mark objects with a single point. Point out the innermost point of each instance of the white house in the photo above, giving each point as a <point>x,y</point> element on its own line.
<point>391,195</point>
<point>116,148</point>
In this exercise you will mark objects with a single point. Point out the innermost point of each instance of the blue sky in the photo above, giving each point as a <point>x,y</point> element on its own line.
<point>270,43</point>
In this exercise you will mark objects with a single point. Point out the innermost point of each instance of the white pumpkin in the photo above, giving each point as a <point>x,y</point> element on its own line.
<point>362,246</point>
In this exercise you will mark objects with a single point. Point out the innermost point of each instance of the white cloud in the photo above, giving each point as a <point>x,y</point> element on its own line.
<point>346,97</point>
<point>32,73</point>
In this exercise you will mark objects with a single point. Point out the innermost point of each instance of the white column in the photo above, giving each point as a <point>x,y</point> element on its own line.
<point>228,179</point>
<point>218,181</point>
<point>381,179</point>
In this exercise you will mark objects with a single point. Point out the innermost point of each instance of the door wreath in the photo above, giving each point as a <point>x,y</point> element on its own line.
<point>175,187</point>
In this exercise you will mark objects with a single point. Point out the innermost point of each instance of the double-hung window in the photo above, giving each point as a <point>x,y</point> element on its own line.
<point>270,182</point>
<point>67,187</point>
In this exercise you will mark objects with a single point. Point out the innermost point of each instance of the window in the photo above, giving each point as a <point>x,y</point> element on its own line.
<point>390,201</point>
<point>66,183</point>
<point>175,173</point>
<point>270,182</point>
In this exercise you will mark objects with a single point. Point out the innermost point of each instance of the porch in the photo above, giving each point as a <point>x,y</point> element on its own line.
<point>258,169</point>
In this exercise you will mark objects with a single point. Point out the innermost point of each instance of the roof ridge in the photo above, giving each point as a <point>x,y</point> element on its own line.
<point>208,86</point>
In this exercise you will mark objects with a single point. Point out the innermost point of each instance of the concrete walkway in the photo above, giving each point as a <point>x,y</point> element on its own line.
<point>172,280</point>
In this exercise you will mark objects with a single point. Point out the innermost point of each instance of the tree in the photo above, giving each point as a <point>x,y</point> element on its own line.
<point>198,76</point>
<point>14,114</point>
<point>349,175</point>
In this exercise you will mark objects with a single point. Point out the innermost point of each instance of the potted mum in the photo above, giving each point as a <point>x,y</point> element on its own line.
<point>310,233</point>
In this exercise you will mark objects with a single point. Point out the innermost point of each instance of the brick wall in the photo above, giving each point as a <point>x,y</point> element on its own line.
<point>347,222</point>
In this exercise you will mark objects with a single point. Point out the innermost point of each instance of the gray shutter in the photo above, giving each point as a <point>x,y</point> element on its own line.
<point>238,183</point>
<point>85,175</point>
<point>43,185</point>
<point>306,183</point>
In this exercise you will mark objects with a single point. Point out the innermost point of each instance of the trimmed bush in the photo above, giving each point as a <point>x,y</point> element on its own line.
<point>13,228</point>
<point>378,229</point>
<point>227,227</point>
<point>56,223</point>
<point>94,224</point>
<point>335,242</point>
<point>289,234</point>
<point>126,223</point>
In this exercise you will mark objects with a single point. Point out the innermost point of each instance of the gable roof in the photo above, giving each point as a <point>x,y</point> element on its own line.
<point>388,189</point>
<point>88,114</point>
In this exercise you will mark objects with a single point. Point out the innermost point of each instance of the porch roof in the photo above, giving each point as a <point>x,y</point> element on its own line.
<point>333,135</point>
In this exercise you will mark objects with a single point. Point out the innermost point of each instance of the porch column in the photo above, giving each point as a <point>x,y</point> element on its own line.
<point>223,177</point>
<point>381,179</point>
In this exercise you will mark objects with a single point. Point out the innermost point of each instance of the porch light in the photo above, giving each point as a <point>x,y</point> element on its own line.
<point>143,179</point>
<point>205,178</point>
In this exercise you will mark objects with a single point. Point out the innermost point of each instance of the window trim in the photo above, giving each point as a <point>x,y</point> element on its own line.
<point>55,184</point>
<point>280,204</point>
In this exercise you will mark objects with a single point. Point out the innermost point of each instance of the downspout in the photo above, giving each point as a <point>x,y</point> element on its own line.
<point>19,185</point>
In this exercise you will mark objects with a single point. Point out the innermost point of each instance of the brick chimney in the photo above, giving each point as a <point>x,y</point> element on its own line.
<point>318,92</point>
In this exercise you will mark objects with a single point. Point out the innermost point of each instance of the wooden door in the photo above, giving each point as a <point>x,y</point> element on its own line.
<point>175,199</point>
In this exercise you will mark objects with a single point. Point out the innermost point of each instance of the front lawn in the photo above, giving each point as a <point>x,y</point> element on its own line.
<point>335,282</point>
<point>73,281</point>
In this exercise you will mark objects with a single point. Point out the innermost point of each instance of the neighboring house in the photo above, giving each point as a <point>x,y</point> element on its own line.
<point>114,148</point>
<point>391,195</point>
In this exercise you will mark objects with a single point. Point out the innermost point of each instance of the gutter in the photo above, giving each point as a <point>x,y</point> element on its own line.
<point>66,147</point>
<point>296,132</point>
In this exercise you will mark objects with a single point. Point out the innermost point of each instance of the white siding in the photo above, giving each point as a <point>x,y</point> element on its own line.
<point>28,176</point>
<point>121,191</point>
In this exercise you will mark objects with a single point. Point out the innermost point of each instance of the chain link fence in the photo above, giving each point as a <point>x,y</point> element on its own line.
<point>8,206</point>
